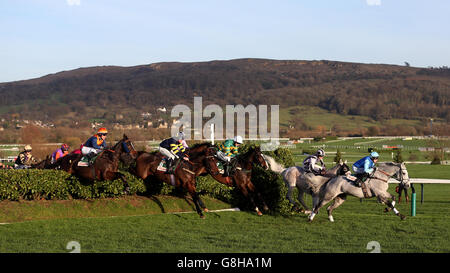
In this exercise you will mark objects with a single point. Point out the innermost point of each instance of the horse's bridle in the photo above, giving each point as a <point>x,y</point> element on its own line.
<point>399,175</point>
<point>264,159</point>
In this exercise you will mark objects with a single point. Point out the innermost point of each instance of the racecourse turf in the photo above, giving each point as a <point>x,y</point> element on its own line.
<point>356,224</point>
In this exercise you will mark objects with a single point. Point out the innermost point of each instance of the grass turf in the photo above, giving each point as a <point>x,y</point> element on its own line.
<point>356,225</point>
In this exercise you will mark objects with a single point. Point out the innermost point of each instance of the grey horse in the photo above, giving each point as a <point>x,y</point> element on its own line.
<point>339,187</point>
<point>309,183</point>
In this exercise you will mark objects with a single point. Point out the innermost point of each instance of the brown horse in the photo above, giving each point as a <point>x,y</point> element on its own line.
<point>66,163</point>
<point>241,177</point>
<point>105,166</point>
<point>44,164</point>
<point>184,175</point>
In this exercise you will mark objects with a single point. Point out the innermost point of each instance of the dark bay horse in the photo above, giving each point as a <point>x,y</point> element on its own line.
<point>183,177</point>
<point>241,177</point>
<point>44,164</point>
<point>105,166</point>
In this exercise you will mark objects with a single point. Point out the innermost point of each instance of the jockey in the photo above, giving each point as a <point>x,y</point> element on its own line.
<point>228,150</point>
<point>310,164</point>
<point>365,166</point>
<point>25,159</point>
<point>173,149</point>
<point>61,152</point>
<point>95,143</point>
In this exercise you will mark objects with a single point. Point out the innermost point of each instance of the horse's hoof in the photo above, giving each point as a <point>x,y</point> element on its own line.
<point>205,210</point>
<point>202,216</point>
<point>259,213</point>
<point>386,210</point>
<point>331,218</point>
<point>402,217</point>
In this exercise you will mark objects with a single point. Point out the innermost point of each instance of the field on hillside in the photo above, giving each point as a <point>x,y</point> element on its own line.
<point>314,116</point>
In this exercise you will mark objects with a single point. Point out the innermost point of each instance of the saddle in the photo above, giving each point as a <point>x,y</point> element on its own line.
<point>360,181</point>
<point>229,168</point>
<point>163,166</point>
<point>87,161</point>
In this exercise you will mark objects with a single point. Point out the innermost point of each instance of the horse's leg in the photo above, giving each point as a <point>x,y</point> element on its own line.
<point>315,199</point>
<point>202,205</point>
<point>301,193</point>
<point>246,194</point>
<point>323,201</point>
<point>255,192</point>
<point>110,175</point>
<point>384,198</point>
<point>337,202</point>
<point>289,197</point>
<point>125,182</point>
<point>195,198</point>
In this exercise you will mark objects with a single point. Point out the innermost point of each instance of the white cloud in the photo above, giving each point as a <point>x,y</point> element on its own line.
<point>73,2</point>
<point>373,2</point>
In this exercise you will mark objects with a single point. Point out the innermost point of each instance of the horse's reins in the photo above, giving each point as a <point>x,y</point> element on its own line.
<point>388,175</point>
<point>379,178</point>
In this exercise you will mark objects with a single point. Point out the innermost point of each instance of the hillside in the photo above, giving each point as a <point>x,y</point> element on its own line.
<point>377,91</point>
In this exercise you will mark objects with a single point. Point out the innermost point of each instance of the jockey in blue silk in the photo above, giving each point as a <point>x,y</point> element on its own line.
<point>95,143</point>
<point>365,166</point>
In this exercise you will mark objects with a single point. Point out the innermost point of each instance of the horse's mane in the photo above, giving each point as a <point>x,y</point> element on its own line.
<point>195,145</point>
<point>392,164</point>
<point>273,164</point>
<point>246,155</point>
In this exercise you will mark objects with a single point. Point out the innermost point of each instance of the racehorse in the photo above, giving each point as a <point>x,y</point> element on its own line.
<point>241,177</point>
<point>106,165</point>
<point>184,175</point>
<point>339,187</point>
<point>44,164</point>
<point>309,183</point>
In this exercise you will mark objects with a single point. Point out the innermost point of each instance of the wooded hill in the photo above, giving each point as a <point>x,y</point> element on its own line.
<point>375,90</point>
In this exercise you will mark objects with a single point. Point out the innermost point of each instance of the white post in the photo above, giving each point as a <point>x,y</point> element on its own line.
<point>212,133</point>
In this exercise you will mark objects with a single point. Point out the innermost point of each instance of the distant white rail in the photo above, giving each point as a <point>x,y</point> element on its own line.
<point>422,181</point>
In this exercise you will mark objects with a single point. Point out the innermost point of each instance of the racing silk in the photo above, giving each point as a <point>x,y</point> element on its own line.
<point>23,159</point>
<point>95,142</point>
<point>366,163</point>
<point>228,148</point>
<point>310,164</point>
<point>174,146</point>
<point>59,153</point>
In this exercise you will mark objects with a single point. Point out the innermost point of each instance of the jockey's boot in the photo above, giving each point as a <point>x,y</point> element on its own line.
<point>226,169</point>
<point>90,156</point>
<point>360,178</point>
<point>169,164</point>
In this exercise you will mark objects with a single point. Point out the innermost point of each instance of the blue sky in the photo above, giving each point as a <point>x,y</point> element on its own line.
<point>39,37</point>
